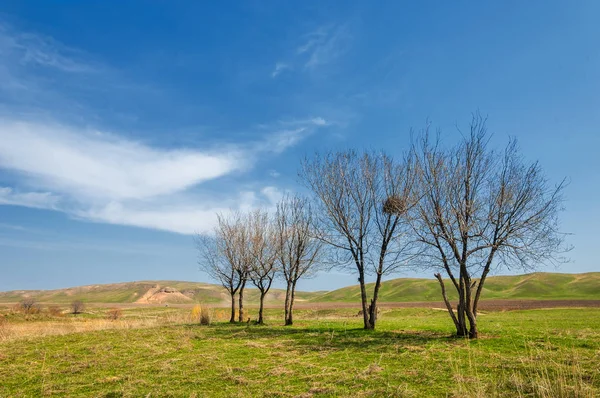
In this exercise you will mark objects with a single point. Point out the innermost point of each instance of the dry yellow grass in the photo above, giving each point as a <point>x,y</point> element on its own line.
<point>25,329</point>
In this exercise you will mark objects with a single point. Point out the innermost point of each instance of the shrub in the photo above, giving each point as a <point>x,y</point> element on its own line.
<point>205,317</point>
<point>77,307</point>
<point>114,313</point>
<point>55,310</point>
<point>196,311</point>
<point>29,306</point>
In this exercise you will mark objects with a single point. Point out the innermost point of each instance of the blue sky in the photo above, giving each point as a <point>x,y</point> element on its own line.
<point>125,128</point>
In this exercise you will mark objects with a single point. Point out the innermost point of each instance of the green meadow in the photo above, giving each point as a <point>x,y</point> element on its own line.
<point>165,352</point>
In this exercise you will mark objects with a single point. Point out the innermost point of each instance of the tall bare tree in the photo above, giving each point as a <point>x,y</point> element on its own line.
<point>223,256</point>
<point>298,246</point>
<point>482,209</point>
<point>243,272</point>
<point>363,201</point>
<point>264,253</point>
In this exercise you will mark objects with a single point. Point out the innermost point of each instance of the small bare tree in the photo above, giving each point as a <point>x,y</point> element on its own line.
<point>223,256</point>
<point>263,248</point>
<point>298,246</point>
<point>29,305</point>
<point>77,307</point>
<point>482,209</point>
<point>364,200</point>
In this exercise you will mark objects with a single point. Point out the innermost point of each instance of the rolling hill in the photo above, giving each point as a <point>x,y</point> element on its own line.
<point>538,286</point>
<point>145,292</point>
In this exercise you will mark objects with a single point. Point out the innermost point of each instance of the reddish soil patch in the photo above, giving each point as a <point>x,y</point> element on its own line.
<point>484,305</point>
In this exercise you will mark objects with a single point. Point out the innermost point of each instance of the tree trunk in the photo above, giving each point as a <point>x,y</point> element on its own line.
<point>461,330</point>
<point>447,302</point>
<point>232,318</point>
<point>363,297</point>
<point>373,306</point>
<point>241,302</point>
<point>469,310</point>
<point>473,332</point>
<point>287,302</point>
<point>290,318</point>
<point>261,307</point>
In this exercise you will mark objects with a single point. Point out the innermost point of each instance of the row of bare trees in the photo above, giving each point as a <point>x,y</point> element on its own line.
<point>258,247</point>
<point>460,210</point>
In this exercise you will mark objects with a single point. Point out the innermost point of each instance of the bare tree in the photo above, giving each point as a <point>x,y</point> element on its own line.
<point>77,307</point>
<point>29,305</point>
<point>223,256</point>
<point>364,200</point>
<point>243,270</point>
<point>263,248</point>
<point>298,246</point>
<point>482,209</point>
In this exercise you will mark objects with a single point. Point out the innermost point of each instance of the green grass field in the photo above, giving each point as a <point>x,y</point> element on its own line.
<point>159,352</point>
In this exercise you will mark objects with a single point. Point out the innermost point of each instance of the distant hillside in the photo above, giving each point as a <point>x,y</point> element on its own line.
<point>150,292</point>
<point>530,286</point>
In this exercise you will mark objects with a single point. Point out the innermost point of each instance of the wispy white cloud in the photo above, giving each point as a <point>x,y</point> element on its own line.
<point>180,215</point>
<point>324,45</point>
<point>22,54</point>
<point>279,68</point>
<point>38,200</point>
<point>317,48</point>
<point>99,165</point>
<point>20,228</point>
<point>288,133</point>
<point>102,176</point>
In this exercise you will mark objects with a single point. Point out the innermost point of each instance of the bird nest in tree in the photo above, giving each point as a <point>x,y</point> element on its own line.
<point>394,205</point>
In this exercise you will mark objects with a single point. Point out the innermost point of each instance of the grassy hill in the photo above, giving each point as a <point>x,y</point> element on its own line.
<point>530,286</point>
<point>130,292</point>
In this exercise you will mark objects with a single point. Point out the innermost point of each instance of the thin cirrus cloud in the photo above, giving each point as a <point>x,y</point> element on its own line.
<point>319,47</point>
<point>280,67</point>
<point>43,51</point>
<point>37,200</point>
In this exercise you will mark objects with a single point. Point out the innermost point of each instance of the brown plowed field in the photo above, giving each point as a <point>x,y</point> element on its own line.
<point>485,305</point>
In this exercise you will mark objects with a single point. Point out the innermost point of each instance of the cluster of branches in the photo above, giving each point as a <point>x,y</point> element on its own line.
<point>462,210</point>
<point>481,209</point>
<point>259,247</point>
<point>363,202</point>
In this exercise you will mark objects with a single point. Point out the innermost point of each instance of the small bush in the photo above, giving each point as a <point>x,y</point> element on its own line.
<point>77,307</point>
<point>55,310</point>
<point>114,313</point>
<point>29,306</point>
<point>205,317</point>
<point>196,311</point>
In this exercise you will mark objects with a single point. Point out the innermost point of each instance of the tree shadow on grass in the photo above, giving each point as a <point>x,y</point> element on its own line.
<point>319,338</point>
